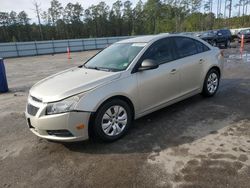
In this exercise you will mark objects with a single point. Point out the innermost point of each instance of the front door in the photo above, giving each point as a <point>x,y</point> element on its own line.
<point>158,86</point>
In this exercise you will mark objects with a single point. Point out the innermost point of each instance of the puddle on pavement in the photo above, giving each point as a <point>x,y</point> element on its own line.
<point>245,57</point>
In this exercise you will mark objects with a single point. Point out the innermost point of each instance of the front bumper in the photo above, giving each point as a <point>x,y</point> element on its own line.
<point>245,39</point>
<point>44,126</point>
<point>41,126</point>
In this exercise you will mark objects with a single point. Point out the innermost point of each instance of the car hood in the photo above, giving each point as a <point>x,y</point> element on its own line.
<point>70,82</point>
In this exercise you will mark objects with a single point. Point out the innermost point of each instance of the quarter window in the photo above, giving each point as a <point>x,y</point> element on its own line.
<point>201,47</point>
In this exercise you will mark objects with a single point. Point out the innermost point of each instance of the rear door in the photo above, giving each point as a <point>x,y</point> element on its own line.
<point>192,60</point>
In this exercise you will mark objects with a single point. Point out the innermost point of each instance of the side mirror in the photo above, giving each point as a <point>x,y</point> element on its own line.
<point>148,64</point>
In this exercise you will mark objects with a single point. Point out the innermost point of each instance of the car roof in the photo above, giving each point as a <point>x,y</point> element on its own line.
<point>151,38</point>
<point>142,39</point>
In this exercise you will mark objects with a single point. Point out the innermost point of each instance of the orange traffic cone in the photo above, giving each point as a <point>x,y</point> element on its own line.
<point>68,53</point>
<point>242,45</point>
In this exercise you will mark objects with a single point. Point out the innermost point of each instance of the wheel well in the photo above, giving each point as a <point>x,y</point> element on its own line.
<point>121,97</point>
<point>217,69</point>
<point>126,99</point>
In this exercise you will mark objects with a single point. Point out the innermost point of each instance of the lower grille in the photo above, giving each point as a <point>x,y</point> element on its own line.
<point>32,110</point>
<point>60,133</point>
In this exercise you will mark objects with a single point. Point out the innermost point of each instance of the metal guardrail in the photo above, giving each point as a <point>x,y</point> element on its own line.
<point>20,49</point>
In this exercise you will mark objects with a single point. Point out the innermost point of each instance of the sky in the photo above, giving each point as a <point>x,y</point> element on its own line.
<point>28,7</point>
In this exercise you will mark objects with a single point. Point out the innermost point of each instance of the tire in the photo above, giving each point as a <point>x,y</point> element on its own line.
<point>227,44</point>
<point>210,89</point>
<point>106,122</point>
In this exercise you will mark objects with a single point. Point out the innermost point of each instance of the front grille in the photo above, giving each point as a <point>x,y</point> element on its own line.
<point>32,110</point>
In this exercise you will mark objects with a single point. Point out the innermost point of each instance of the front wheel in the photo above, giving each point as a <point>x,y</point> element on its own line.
<point>227,44</point>
<point>213,43</point>
<point>211,83</point>
<point>112,120</point>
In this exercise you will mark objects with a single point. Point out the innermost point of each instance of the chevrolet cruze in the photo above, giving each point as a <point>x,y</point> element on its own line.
<point>123,82</point>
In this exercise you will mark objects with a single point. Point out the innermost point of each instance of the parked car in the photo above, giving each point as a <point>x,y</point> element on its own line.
<point>217,37</point>
<point>197,34</point>
<point>246,33</point>
<point>125,81</point>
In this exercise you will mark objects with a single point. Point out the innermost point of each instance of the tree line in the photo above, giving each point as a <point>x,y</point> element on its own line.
<point>122,19</point>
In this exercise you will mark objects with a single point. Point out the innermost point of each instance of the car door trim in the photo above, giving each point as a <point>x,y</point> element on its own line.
<point>168,103</point>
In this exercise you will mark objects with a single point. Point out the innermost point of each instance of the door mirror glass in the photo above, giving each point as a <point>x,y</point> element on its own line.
<point>148,64</point>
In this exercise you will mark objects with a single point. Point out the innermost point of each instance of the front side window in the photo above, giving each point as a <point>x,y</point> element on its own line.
<point>116,57</point>
<point>222,32</point>
<point>185,46</point>
<point>208,33</point>
<point>161,51</point>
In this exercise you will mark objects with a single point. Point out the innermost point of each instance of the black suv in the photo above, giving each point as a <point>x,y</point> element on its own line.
<point>217,37</point>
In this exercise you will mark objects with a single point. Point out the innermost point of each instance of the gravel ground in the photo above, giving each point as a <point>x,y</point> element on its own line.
<point>195,143</point>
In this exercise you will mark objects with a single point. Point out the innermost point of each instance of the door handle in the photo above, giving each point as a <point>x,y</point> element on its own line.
<point>173,71</point>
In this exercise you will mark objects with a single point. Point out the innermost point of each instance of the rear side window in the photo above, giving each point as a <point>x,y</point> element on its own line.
<point>161,51</point>
<point>225,32</point>
<point>185,46</point>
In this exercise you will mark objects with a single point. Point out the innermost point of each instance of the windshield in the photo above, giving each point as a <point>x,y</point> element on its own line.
<point>247,31</point>
<point>208,33</point>
<point>116,57</point>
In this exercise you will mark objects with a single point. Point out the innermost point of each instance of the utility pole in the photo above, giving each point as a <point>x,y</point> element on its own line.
<point>37,11</point>
<point>211,6</point>
<point>218,8</point>
<point>230,8</point>
<point>225,9</point>
<point>247,2</point>
<point>243,7</point>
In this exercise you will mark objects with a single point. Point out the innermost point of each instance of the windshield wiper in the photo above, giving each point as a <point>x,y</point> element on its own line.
<point>100,68</point>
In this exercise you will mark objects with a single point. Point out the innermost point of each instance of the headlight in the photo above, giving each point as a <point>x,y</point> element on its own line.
<point>65,105</point>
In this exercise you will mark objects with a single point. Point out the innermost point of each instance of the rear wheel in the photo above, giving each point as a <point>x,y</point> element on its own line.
<point>112,120</point>
<point>211,83</point>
